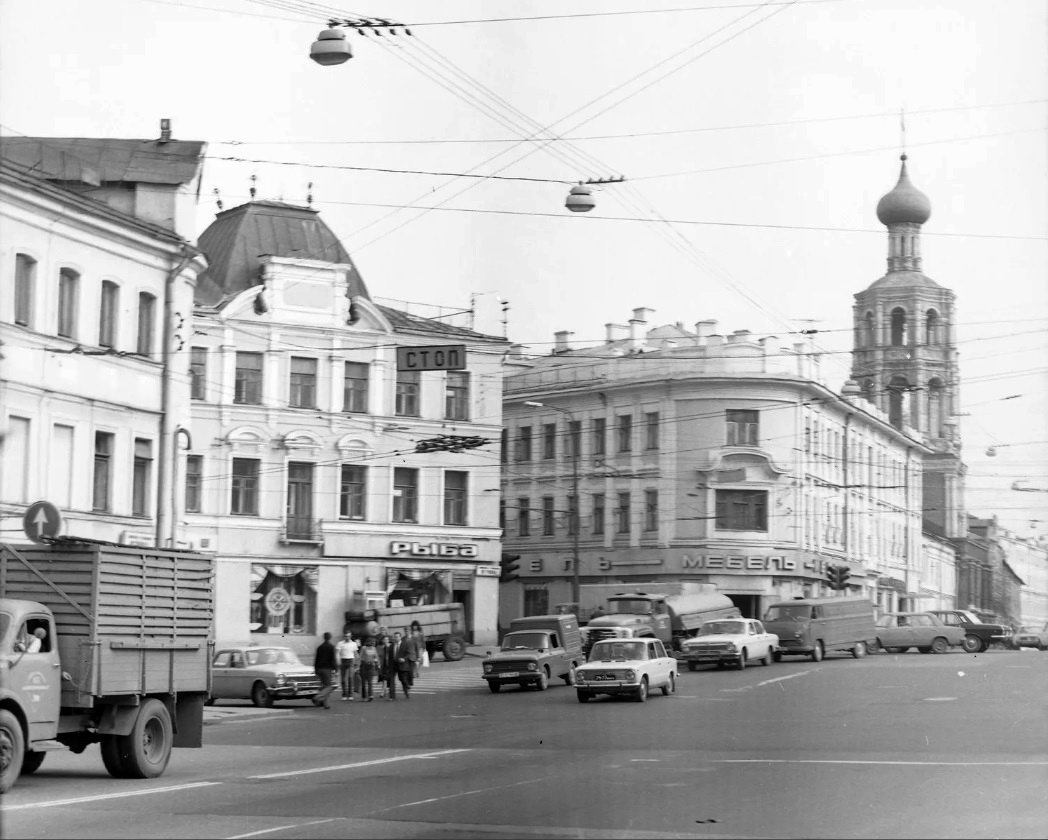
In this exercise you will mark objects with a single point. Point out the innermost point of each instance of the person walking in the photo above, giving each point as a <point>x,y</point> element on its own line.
<point>418,641</point>
<point>387,664</point>
<point>405,654</point>
<point>347,655</point>
<point>368,656</point>
<point>325,664</point>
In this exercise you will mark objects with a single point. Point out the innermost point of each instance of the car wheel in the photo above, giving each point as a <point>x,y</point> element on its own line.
<point>740,663</point>
<point>494,686</point>
<point>924,650</point>
<point>670,687</point>
<point>859,651</point>
<point>693,666</point>
<point>817,653</point>
<point>543,681</point>
<point>766,659</point>
<point>569,678</point>
<point>584,696</point>
<point>32,761</point>
<point>940,645</point>
<point>972,644</point>
<point>895,650</point>
<point>642,690</point>
<point>260,695</point>
<point>873,646</point>
<point>777,656</point>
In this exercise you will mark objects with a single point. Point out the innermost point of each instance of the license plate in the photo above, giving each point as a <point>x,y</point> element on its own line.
<point>508,674</point>
<point>603,677</point>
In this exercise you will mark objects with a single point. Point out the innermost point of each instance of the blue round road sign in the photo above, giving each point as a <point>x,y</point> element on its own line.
<point>41,520</point>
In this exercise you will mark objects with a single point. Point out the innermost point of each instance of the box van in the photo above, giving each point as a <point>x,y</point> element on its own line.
<point>817,626</point>
<point>536,649</point>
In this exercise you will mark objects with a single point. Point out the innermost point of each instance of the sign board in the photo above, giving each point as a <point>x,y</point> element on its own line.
<point>488,571</point>
<point>41,520</point>
<point>433,357</point>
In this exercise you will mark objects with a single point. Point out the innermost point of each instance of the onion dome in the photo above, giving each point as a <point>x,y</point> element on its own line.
<point>904,204</point>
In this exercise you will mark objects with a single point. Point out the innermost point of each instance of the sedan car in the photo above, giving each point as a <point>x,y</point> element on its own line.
<point>630,667</point>
<point>732,641</point>
<point>1031,635</point>
<point>898,632</point>
<point>261,673</point>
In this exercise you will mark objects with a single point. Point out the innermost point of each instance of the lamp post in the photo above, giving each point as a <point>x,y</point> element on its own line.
<point>575,519</point>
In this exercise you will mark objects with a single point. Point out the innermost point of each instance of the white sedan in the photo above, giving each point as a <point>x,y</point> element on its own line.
<point>729,641</point>
<point>626,666</point>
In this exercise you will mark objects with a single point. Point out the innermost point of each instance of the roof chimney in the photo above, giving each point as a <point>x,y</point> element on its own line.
<point>639,319</point>
<point>614,332</point>
<point>703,330</point>
<point>562,345</point>
<point>165,131</point>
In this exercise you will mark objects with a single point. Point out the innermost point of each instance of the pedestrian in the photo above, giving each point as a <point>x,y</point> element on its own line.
<point>387,664</point>
<point>419,642</point>
<point>405,651</point>
<point>347,655</point>
<point>325,664</point>
<point>368,656</point>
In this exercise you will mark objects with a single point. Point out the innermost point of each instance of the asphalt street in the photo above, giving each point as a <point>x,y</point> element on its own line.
<point>885,746</point>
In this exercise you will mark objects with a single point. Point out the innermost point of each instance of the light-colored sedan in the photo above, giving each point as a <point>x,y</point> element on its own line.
<point>898,632</point>
<point>732,641</point>
<point>632,667</point>
<point>262,674</point>
<point>1031,635</point>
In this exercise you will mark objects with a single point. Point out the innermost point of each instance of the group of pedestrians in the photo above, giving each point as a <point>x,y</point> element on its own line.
<point>379,658</point>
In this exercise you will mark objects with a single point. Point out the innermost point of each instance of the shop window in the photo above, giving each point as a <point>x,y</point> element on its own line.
<point>283,599</point>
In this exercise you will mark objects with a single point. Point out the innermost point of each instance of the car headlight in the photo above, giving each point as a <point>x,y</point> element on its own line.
<point>631,675</point>
<point>488,668</point>
<point>281,679</point>
<point>533,666</point>
<point>730,646</point>
<point>580,676</point>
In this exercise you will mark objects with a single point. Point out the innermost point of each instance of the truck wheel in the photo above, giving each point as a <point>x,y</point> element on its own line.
<point>740,663</point>
<point>111,758</point>
<point>693,666</point>
<point>859,651</point>
<point>583,696</point>
<point>972,643</point>
<point>454,648</point>
<point>147,749</point>
<point>494,686</point>
<point>543,681</point>
<point>642,690</point>
<point>12,750</point>
<point>817,652</point>
<point>260,695</point>
<point>32,761</point>
<point>940,645</point>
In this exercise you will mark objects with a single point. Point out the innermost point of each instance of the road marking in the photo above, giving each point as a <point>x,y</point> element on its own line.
<point>278,828</point>
<point>456,795</point>
<point>939,699</point>
<point>103,796</point>
<point>371,763</point>
<point>787,677</point>
<point>904,763</point>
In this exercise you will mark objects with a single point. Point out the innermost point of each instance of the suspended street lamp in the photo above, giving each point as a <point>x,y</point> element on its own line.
<point>330,48</point>
<point>580,198</point>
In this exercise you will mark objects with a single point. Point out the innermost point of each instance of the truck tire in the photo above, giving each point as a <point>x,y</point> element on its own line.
<point>859,651</point>
<point>972,643</point>
<point>32,761</point>
<point>817,652</point>
<point>542,683</point>
<point>454,648</point>
<point>12,750</point>
<point>114,764</point>
<point>693,666</point>
<point>146,750</point>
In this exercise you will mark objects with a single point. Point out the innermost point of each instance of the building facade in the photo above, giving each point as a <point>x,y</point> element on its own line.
<point>303,472</point>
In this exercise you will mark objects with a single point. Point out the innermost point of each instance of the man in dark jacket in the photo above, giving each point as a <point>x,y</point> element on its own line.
<point>325,664</point>
<point>406,656</point>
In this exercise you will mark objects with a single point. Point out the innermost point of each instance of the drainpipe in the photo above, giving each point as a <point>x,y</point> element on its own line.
<point>175,509</point>
<point>166,443</point>
<point>847,496</point>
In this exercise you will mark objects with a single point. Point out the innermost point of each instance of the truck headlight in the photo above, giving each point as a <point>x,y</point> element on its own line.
<point>533,666</point>
<point>488,668</point>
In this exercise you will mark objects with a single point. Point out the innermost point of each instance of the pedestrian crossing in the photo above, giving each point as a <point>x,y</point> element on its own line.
<point>437,681</point>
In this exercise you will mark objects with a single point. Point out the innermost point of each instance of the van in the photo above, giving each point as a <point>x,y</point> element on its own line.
<point>537,649</point>
<point>817,626</point>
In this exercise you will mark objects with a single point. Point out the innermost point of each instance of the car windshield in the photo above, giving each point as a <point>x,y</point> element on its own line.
<point>271,656</point>
<point>618,650</point>
<point>630,606</point>
<point>525,641</point>
<point>788,612</point>
<point>1029,628</point>
<point>886,621</point>
<point>713,628</point>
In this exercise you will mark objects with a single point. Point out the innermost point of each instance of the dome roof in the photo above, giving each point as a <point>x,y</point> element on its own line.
<point>905,203</point>
<point>905,280</point>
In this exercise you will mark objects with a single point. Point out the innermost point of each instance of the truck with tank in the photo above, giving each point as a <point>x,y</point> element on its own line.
<point>102,644</point>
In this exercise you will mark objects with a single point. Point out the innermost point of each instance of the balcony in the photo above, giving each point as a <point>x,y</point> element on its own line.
<point>302,529</point>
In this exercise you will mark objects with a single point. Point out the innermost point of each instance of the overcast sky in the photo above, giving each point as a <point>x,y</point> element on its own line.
<point>764,133</point>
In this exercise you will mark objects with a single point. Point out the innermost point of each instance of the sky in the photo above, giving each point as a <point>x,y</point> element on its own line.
<point>755,139</point>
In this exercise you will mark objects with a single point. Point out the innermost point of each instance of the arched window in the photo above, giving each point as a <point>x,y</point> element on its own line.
<point>897,402</point>
<point>931,327</point>
<point>868,335</point>
<point>898,327</point>
<point>935,405</point>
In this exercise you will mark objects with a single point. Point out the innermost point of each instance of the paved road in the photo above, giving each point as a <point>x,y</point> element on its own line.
<point>887,746</point>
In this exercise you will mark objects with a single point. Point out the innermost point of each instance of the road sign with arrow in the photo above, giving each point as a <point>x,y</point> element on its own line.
<point>41,521</point>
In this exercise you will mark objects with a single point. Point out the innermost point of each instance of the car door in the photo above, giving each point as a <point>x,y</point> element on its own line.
<point>895,632</point>
<point>220,677</point>
<point>666,663</point>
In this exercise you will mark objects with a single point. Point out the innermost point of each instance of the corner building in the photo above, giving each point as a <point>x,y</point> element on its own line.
<point>301,473</point>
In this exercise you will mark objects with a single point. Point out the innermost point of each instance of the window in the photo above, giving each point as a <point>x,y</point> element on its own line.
<point>742,427</point>
<point>651,510</point>
<point>198,373</point>
<point>108,309</point>
<point>68,282</point>
<point>303,385</point>
<point>574,438</point>
<point>456,396</point>
<point>504,447</point>
<point>573,514</point>
<point>15,476</point>
<point>146,323</point>
<point>536,600</point>
<point>408,386</point>
<point>142,474</point>
<point>297,586</point>
<point>548,527</point>
<point>103,471</point>
<point>244,501</point>
<point>300,502</point>
<point>25,289</point>
<point>549,440</point>
<point>455,497</point>
<point>625,432</point>
<point>194,482</point>
<point>600,437</point>
<point>353,492</point>
<point>247,384</point>
<point>898,328</point>
<point>62,455</point>
<point>651,430</point>
<point>502,513</point>
<point>405,495</point>
<point>742,510</point>
<point>355,388</point>
<point>524,443</point>
<point>622,514</point>
<point>598,513</point>
<point>524,517</point>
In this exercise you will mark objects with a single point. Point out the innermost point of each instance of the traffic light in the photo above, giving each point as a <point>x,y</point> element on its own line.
<point>509,567</point>
<point>838,577</point>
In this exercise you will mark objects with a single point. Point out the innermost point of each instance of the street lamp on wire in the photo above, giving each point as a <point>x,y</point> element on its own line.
<point>573,514</point>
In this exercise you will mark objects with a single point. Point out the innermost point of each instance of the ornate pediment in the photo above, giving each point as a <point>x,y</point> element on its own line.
<point>736,465</point>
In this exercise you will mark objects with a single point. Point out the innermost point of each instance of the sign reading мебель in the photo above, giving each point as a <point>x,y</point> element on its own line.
<point>434,357</point>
